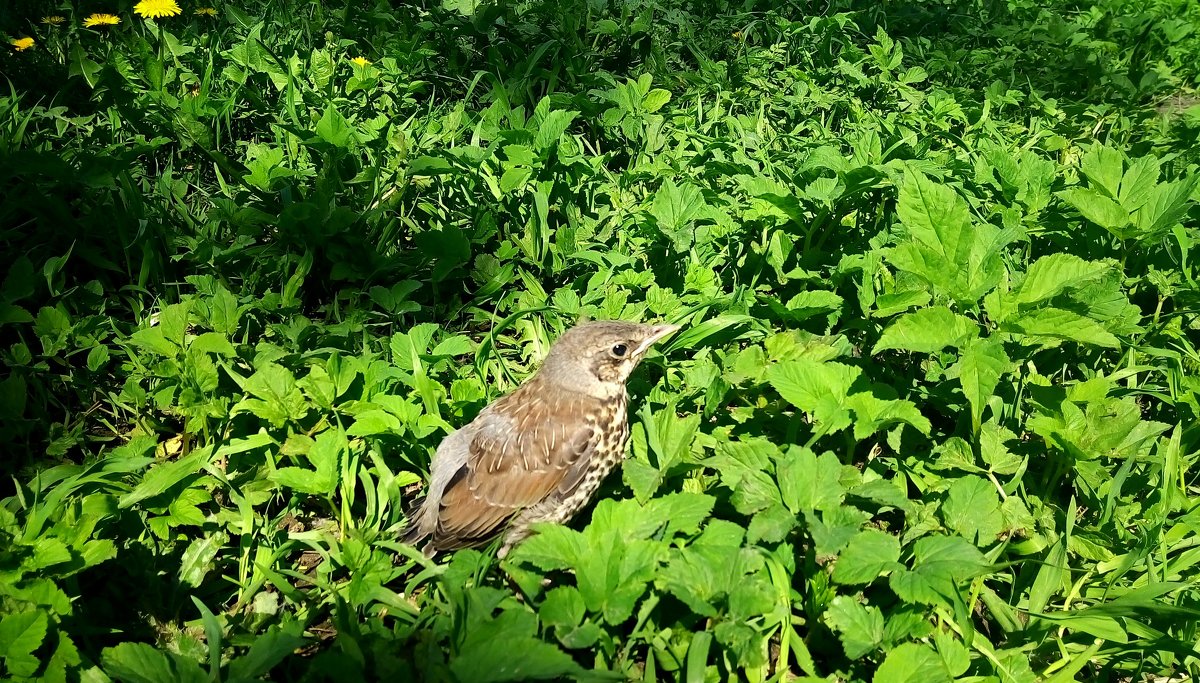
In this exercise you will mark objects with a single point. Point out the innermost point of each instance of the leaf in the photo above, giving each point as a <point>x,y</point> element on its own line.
<point>859,626</point>
<point>940,563</point>
<point>1166,205</point>
<point>972,508</point>
<point>809,483</point>
<point>507,649</point>
<point>912,663</point>
<point>371,422</point>
<point>674,209</point>
<point>197,560</point>
<point>872,414</point>
<point>1098,209</point>
<point>1050,275</point>
<point>819,389</point>
<point>1102,166</point>
<point>870,554</point>
<point>928,330</point>
<point>979,369</point>
<point>163,477</point>
<point>22,633</point>
<point>141,663</point>
<point>1139,180</point>
<point>152,339</point>
<point>655,99</point>
<point>267,650</point>
<point>1054,324</point>
<point>334,129</point>
<point>278,397</point>
<point>552,128</point>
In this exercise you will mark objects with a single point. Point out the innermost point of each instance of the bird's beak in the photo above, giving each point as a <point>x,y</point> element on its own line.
<point>656,333</point>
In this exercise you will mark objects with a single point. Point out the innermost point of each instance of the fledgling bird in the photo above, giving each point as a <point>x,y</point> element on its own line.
<point>539,453</point>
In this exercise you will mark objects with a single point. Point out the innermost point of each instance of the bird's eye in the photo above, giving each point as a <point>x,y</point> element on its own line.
<point>619,350</point>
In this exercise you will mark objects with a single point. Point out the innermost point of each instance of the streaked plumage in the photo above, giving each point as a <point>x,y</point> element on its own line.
<point>539,453</point>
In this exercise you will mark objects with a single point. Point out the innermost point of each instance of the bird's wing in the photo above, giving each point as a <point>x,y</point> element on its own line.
<point>523,450</point>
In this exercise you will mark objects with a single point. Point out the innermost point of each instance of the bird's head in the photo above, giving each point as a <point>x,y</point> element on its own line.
<point>596,358</point>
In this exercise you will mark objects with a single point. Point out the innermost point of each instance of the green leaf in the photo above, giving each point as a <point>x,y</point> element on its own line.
<point>267,650</point>
<point>1053,325</point>
<point>22,633</point>
<point>141,663</point>
<point>1050,275</point>
<point>152,339</point>
<point>912,663</point>
<point>809,483</point>
<point>675,208</point>
<point>161,478</point>
<point>972,508</point>
<point>277,396</point>
<point>199,558</point>
<point>334,129</point>
<point>1102,166</point>
<point>928,330</point>
<point>655,99</point>
<point>859,626</point>
<point>819,389</point>
<point>979,369</point>
<point>552,128</point>
<point>940,564</point>
<point>371,422</point>
<point>507,649</point>
<point>1165,206</point>
<point>1098,209</point>
<point>869,555</point>
<point>97,357</point>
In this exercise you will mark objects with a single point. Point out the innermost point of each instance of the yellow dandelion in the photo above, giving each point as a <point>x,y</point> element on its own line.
<point>360,61</point>
<point>737,34</point>
<point>205,12</point>
<point>22,44</point>
<point>101,20</point>
<point>53,20</point>
<point>156,9</point>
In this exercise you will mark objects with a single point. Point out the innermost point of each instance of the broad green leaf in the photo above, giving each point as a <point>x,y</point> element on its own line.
<point>507,649</point>
<point>869,555</point>
<point>152,339</point>
<point>160,478</point>
<point>1165,206</point>
<point>872,414</point>
<point>198,558</point>
<point>656,99</point>
<point>1138,182</point>
<point>859,626</point>
<point>142,663</point>
<point>371,422</point>
<point>940,565</point>
<point>972,508</point>
<point>928,330</point>
<point>675,209</point>
<point>979,369</point>
<point>1098,209</point>
<point>277,396</point>
<point>21,633</point>
<point>1103,166</point>
<point>552,127</point>
<point>1050,275</point>
<point>1053,325</point>
<point>334,129</point>
<point>912,663</point>
<point>819,389</point>
<point>809,483</point>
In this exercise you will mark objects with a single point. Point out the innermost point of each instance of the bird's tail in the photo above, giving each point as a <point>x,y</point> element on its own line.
<point>413,532</point>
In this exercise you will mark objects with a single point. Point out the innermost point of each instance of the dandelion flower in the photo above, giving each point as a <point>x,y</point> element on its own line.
<point>156,9</point>
<point>22,44</point>
<point>361,61</point>
<point>53,20</point>
<point>101,20</point>
<point>205,12</point>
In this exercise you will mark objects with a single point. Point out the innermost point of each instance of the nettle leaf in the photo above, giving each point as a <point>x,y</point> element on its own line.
<point>325,454</point>
<point>507,648</point>
<point>552,128</point>
<point>979,369</point>
<point>1103,166</point>
<point>859,626</point>
<point>809,483</point>
<point>819,389</point>
<point>958,258</point>
<point>1099,209</point>
<point>675,209</point>
<point>940,563</point>
<point>872,414</point>
<point>972,508</point>
<point>928,330</point>
<point>22,633</point>
<point>1165,205</point>
<point>1050,275</point>
<point>1052,326</point>
<point>142,663</point>
<point>277,396</point>
<point>870,554</point>
<point>912,663</point>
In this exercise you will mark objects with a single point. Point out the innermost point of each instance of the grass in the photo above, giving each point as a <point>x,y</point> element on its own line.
<point>932,415</point>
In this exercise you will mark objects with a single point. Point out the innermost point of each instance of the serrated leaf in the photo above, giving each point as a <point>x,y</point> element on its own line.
<point>1056,324</point>
<point>912,663</point>
<point>1098,209</point>
<point>142,663</point>
<point>820,389</point>
<point>979,369</point>
<point>198,558</point>
<point>859,627</point>
<point>809,483</point>
<point>267,650</point>
<point>552,127</point>
<point>21,633</point>
<point>675,207</point>
<point>972,508</point>
<point>869,554</point>
<point>1052,274</point>
<point>928,330</point>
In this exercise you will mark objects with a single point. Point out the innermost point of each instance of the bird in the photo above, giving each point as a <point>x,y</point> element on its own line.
<point>539,453</point>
